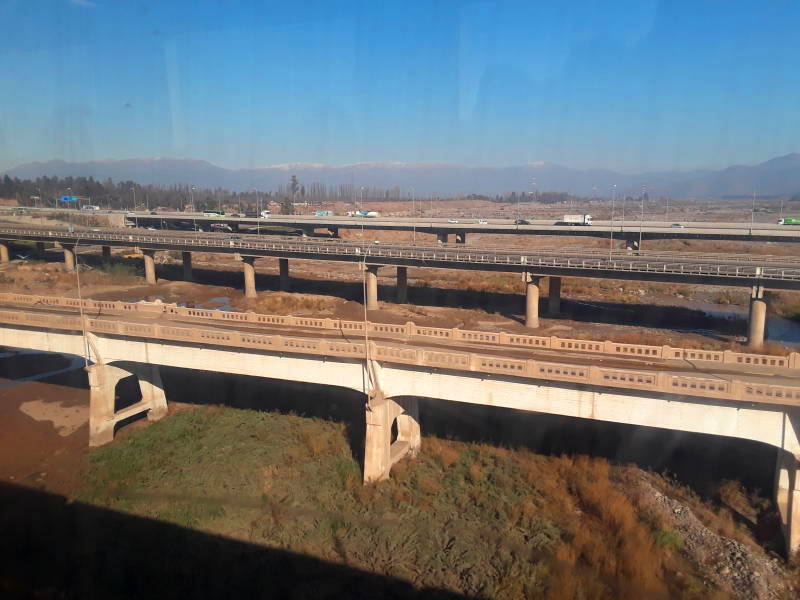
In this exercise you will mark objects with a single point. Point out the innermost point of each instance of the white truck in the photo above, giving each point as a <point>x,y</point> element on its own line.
<point>576,220</point>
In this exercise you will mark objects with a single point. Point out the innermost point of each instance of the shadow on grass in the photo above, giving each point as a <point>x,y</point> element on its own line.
<point>53,548</point>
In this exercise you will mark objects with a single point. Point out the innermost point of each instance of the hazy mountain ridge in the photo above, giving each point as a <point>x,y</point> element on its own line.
<point>777,176</point>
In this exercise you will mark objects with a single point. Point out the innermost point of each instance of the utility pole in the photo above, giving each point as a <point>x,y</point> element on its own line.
<point>613,198</point>
<point>641,218</point>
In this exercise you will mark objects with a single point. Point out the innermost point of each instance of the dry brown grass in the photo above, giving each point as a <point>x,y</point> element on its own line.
<point>283,303</point>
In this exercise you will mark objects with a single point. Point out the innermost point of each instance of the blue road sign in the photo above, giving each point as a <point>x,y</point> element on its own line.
<point>69,198</point>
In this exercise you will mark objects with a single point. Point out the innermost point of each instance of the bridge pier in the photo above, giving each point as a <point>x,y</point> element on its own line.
<point>402,285</point>
<point>103,380</point>
<point>371,291</point>
<point>787,498</point>
<point>380,452</point>
<point>554,296</point>
<point>441,237</point>
<point>69,258</point>
<point>40,249</point>
<point>285,283</point>
<point>249,270</point>
<point>758,318</point>
<point>461,238</point>
<point>531,299</point>
<point>4,253</point>
<point>149,266</point>
<point>187,265</point>
<point>106,255</point>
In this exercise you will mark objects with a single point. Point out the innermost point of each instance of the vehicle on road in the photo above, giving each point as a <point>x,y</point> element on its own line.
<point>576,220</point>
<point>677,226</point>
<point>265,214</point>
<point>214,213</point>
<point>364,213</point>
<point>452,220</point>
<point>521,222</point>
<point>789,221</point>
<point>90,207</point>
<point>216,227</point>
<point>153,212</point>
<point>483,222</point>
<point>323,213</point>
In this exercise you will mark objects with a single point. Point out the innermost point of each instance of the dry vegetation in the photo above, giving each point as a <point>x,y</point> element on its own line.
<point>484,521</point>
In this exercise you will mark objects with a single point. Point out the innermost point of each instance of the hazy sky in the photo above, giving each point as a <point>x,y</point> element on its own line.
<point>623,85</point>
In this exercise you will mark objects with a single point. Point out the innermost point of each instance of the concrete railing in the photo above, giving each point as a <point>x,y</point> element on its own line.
<point>429,358</point>
<point>410,330</point>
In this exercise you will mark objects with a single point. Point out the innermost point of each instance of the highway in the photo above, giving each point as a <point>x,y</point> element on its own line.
<point>774,272</point>
<point>628,230</point>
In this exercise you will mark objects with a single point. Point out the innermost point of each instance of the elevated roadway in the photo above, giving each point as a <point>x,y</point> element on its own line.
<point>393,374</point>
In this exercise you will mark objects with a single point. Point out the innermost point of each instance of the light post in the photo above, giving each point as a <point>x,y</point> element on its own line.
<point>613,198</point>
<point>753,212</point>
<point>194,211</point>
<point>641,218</point>
<point>413,216</point>
<point>135,214</point>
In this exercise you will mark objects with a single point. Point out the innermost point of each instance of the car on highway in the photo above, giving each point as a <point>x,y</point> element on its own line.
<point>521,222</point>
<point>452,220</point>
<point>678,226</point>
<point>152,212</point>
<point>483,222</point>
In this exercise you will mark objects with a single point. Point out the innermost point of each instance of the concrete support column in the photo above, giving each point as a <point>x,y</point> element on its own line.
<point>187,265</point>
<point>69,258</point>
<point>461,238</point>
<point>103,380</point>
<point>249,276</point>
<point>371,274</point>
<point>40,248</point>
<point>758,318</point>
<point>149,266</point>
<point>283,269</point>
<point>554,296</point>
<point>531,300</point>
<point>402,285</point>
<point>380,451</point>
<point>152,389</point>
<point>106,254</point>
<point>441,237</point>
<point>787,498</point>
<point>4,253</point>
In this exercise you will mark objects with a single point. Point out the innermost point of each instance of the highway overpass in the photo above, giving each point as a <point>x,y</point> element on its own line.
<point>628,231</point>
<point>753,402</point>
<point>757,272</point>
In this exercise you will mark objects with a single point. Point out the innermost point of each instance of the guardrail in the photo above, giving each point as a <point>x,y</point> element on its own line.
<point>411,330</point>
<point>517,259</point>
<point>654,381</point>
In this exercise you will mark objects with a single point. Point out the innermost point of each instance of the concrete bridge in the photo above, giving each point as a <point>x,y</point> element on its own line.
<point>752,271</point>
<point>392,376</point>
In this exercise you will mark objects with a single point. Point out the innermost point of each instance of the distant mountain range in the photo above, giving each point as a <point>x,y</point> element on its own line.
<point>778,176</point>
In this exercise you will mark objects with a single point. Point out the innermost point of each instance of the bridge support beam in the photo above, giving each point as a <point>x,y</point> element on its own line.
<point>4,253</point>
<point>149,266</point>
<point>531,300</point>
<point>69,258</point>
<point>106,255</point>
<point>758,318</point>
<point>187,265</point>
<point>441,237</point>
<point>554,296</point>
<point>461,238</point>
<point>103,380</point>
<point>285,282</point>
<point>402,285</point>
<point>40,249</point>
<point>249,270</point>
<point>371,291</point>
<point>380,451</point>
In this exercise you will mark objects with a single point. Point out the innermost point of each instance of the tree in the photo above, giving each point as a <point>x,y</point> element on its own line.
<point>287,208</point>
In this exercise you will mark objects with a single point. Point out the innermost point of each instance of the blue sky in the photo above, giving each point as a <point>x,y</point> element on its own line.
<point>632,86</point>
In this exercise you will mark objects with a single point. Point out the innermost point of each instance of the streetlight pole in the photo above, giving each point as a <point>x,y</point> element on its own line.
<point>414,216</point>
<point>753,211</point>
<point>641,218</point>
<point>613,198</point>
<point>194,210</point>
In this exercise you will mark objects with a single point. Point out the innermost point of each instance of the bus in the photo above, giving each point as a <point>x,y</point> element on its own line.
<point>789,221</point>
<point>213,213</point>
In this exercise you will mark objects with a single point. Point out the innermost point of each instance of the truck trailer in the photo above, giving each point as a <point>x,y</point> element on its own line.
<point>576,220</point>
